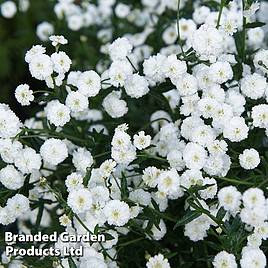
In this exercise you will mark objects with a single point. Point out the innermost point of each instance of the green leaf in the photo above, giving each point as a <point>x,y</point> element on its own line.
<point>124,189</point>
<point>255,24</point>
<point>188,217</point>
<point>39,216</point>
<point>71,263</point>
<point>155,205</point>
<point>239,43</point>
<point>96,229</point>
<point>221,213</point>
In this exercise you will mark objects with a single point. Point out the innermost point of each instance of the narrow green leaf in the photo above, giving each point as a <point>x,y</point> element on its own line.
<point>71,263</point>
<point>190,216</point>
<point>255,24</point>
<point>221,213</point>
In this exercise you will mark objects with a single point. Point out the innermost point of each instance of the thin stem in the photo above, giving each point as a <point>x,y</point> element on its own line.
<point>244,34</point>
<point>178,29</point>
<point>131,242</point>
<point>220,13</point>
<point>235,181</point>
<point>102,154</point>
<point>42,91</point>
<point>132,64</point>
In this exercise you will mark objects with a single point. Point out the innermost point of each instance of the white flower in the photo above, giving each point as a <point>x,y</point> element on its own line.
<point>24,95</point>
<point>200,14</point>
<point>187,27</point>
<point>75,22</point>
<point>18,205</point>
<point>107,167</point>
<point>197,229</point>
<point>116,212</point>
<point>261,60</point>
<point>11,178</point>
<point>236,100</point>
<point>189,105</point>
<point>254,216</point>
<point>120,48</point>
<point>224,260</point>
<point>9,150</point>
<point>89,83</point>
<point>41,66</point>
<point>203,135</point>
<point>61,62</point>
<point>27,161</point>
<point>9,122</point>
<point>6,217</point>
<point>173,67</point>
<point>119,71</point>
<point>207,42</point>
<point>82,159</point>
<point>236,129</point>
<point>35,51</point>
<point>153,68</point>
<point>169,182</point>
<point>217,147</point>
<point>157,261</point>
<point>248,13</point>
<point>74,181</point>
<point>256,37</point>
<point>170,35</point>
<point>187,85</point>
<point>122,10</point>
<point>136,86</point>
<point>100,195</point>
<point>8,9</point>
<point>57,113</point>
<point>253,197</point>
<point>72,78</point>
<point>141,197</point>
<point>254,240</point>
<point>253,258</point>
<point>80,200</point>
<point>54,151</point>
<point>58,40</point>
<point>151,176</point>
<point>249,159</point>
<point>262,230</point>
<point>44,30</point>
<point>229,198</point>
<point>260,116</point>
<point>220,72</point>
<point>141,141</point>
<point>76,101</point>
<point>253,86</point>
<point>194,156</point>
<point>175,160</point>
<point>229,25</point>
<point>207,107</point>
<point>64,220</point>
<point>114,106</point>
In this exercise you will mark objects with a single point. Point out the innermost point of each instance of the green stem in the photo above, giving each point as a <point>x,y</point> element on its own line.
<point>42,91</point>
<point>131,242</point>
<point>235,181</point>
<point>178,30</point>
<point>132,65</point>
<point>220,13</point>
<point>244,34</point>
